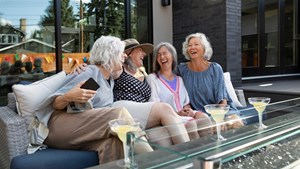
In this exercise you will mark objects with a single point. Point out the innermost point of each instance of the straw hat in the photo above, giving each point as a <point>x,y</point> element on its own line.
<point>133,43</point>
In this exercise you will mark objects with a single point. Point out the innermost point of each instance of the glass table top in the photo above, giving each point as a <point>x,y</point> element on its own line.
<point>276,146</point>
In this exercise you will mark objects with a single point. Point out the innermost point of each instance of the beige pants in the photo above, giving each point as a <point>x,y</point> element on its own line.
<point>88,130</point>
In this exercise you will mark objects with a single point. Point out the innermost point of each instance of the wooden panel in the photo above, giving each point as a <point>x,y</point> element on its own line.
<point>48,59</point>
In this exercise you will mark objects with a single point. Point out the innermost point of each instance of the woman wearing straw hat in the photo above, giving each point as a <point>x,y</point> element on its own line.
<point>133,92</point>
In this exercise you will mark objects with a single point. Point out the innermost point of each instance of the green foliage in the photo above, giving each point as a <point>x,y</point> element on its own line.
<point>109,16</point>
<point>67,16</point>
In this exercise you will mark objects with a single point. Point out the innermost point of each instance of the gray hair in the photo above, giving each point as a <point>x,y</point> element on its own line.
<point>128,61</point>
<point>171,49</point>
<point>204,41</point>
<point>107,51</point>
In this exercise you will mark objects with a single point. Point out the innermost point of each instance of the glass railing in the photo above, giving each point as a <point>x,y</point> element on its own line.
<point>276,146</point>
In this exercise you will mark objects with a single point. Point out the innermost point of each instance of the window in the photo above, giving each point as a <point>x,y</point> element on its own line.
<point>269,37</point>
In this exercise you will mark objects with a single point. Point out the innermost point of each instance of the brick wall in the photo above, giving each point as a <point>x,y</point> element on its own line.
<point>221,22</point>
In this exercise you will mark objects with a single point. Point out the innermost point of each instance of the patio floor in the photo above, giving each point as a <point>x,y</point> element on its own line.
<point>278,89</point>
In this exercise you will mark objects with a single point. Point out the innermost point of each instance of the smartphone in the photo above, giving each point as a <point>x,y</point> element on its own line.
<point>90,84</point>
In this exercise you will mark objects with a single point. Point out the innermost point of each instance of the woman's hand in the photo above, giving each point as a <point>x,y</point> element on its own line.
<point>76,94</point>
<point>186,111</point>
<point>234,121</point>
<point>79,95</point>
<point>80,68</point>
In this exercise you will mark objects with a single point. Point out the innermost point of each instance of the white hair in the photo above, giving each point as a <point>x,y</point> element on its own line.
<point>107,51</point>
<point>203,40</point>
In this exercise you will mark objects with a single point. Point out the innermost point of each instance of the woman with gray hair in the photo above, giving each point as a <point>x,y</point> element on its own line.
<point>169,88</point>
<point>203,79</point>
<point>89,129</point>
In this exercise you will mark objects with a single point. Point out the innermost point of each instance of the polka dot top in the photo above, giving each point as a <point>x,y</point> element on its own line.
<point>127,87</point>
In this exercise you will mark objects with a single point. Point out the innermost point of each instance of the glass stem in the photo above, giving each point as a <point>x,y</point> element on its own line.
<point>126,158</point>
<point>260,119</point>
<point>218,130</point>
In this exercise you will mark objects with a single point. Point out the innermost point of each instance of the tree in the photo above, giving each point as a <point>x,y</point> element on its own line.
<point>109,16</point>
<point>67,16</point>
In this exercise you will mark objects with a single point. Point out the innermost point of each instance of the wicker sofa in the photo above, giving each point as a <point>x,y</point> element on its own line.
<point>14,143</point>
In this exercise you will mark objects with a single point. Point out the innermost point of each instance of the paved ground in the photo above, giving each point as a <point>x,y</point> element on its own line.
<point>291,87</point>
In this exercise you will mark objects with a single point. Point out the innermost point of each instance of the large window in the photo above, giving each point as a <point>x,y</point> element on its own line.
<point>26,43</point>
<point>249,34</point>
<point>28,40</point>
<point>269,37</point>
<point>290,58</point>
<point>271,33</point>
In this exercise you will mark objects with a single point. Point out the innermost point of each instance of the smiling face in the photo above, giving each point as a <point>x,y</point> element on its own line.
<point>195,48</point>
<point>137,56</point>
<point>164,58</point>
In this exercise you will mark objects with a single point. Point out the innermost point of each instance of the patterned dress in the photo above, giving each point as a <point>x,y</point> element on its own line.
<point>133,94</point>
<point>127,87</point>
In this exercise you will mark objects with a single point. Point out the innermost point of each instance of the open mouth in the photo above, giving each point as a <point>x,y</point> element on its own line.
<point>164,62</point>
<point>193,52</point>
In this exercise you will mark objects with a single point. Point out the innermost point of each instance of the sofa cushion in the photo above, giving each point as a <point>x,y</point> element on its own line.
<point>55,158</point>
<point>29,97</point>
<point>230,90</point>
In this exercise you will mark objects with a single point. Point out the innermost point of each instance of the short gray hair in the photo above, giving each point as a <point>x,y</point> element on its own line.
<point>171,49</point>
<point>204,41</point>
<point>107,51</point>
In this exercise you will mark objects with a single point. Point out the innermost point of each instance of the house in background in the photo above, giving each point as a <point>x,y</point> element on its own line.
<point>69,37</point>
<point>30,46</point>
<point>10,35</point>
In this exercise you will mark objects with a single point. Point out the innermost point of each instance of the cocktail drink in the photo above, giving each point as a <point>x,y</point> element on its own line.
<point>217,112</point>
<point>259,103</point>
<point>121,127</point>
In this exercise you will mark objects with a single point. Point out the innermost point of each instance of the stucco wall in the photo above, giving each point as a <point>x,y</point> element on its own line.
<point>162,23</point>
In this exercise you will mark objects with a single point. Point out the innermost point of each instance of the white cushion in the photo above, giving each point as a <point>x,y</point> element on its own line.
<point>230,90</point>
<point>30,97</point>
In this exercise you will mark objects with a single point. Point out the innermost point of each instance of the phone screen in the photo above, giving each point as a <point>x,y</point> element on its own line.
<point>90,84</point>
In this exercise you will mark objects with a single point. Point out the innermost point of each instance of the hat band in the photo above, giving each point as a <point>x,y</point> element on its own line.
<point>130,46</point>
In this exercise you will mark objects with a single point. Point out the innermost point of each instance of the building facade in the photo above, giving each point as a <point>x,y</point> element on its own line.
<point>257,39</point>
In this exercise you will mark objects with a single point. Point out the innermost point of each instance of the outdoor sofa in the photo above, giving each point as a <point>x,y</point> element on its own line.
<point>14,134</point>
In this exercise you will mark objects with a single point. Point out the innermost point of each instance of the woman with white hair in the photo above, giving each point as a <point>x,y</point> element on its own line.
<point>89,130</point>
<point>133,92</point>
<point>203,79</point>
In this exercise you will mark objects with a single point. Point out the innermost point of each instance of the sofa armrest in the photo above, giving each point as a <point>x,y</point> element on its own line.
<point>240,95</point>
<point>13,136</point>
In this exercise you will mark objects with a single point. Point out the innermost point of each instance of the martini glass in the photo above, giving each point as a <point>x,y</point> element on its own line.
<point>259,103</point>
<point>217,112</point>
<point>121,127</point>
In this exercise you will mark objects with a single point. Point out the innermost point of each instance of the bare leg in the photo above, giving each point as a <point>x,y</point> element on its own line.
<point>204,124</point>
<point>192,129</point>
<point>142,146</point>
<point>163,114</point>
<point>160,136</point>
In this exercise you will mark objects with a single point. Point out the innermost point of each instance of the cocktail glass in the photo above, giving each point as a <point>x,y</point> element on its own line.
<point>260,103</point>
<point>217,112</point>
<point>121,127</point>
